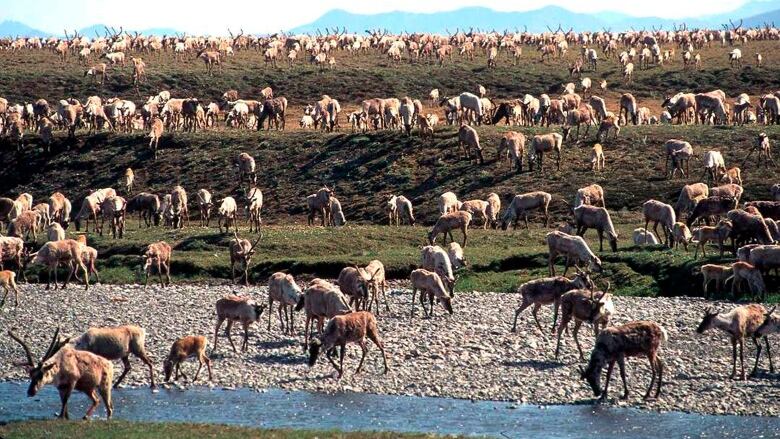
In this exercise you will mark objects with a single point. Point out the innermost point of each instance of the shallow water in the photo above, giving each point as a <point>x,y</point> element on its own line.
<point>360,411</point>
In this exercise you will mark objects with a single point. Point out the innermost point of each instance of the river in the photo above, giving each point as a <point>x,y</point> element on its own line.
<point>277,408</point>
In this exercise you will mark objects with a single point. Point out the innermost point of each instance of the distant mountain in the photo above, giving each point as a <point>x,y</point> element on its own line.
<point>11,28</point>
<point>650,23</point>
<point>756,10</point>
<point>537,20</point>
<point>100,30</point>
<point>159,31</point>
<point>748,10</point>
<point>754,13</point>
<point>96,30</point>
<point>762,19</point>
<point>464,18</point>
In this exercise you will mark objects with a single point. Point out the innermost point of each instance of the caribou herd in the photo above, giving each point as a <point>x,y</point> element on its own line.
<point>351,305</point>
<point>570,110</point>
<point>579,104</point>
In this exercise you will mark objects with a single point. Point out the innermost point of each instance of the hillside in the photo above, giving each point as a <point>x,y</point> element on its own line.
<point>365,169</point>
<point>38,74</point>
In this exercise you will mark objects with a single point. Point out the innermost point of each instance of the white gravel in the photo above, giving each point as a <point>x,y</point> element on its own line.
<point>471,355</point>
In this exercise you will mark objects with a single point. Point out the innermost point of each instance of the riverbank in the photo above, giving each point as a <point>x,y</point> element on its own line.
<point>141,430</point>
<point>471,354</point>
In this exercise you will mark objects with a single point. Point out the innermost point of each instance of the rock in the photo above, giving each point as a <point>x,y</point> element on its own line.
<point>470,355</point>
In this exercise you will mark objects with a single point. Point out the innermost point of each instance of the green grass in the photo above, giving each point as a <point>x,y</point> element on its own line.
<point>141,430</point>
<point>498,260</point>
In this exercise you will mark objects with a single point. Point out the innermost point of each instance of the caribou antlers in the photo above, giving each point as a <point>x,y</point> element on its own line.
<point>560,29</point>
<point>240,34</point>
<point>54,347</point>
<point>595,301</point>
<point>112,32</point>
<point>251,250</point>
<point>30,361</point>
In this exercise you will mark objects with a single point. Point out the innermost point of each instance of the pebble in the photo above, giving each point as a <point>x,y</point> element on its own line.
<point>470,355</point>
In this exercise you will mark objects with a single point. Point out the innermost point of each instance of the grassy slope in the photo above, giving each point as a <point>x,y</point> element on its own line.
<point>140,430</point>
<point>364,169</point>
<point>31,75</point>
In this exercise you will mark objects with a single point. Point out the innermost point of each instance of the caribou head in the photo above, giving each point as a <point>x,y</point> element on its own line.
<point>40,374</point>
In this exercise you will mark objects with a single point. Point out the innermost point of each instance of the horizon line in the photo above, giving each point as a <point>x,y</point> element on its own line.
<point>595,14</point>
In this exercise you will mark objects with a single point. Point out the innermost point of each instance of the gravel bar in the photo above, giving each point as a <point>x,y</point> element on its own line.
<point>471,354</point>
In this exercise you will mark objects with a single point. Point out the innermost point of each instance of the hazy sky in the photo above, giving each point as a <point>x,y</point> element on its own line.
<point>272,15</point>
